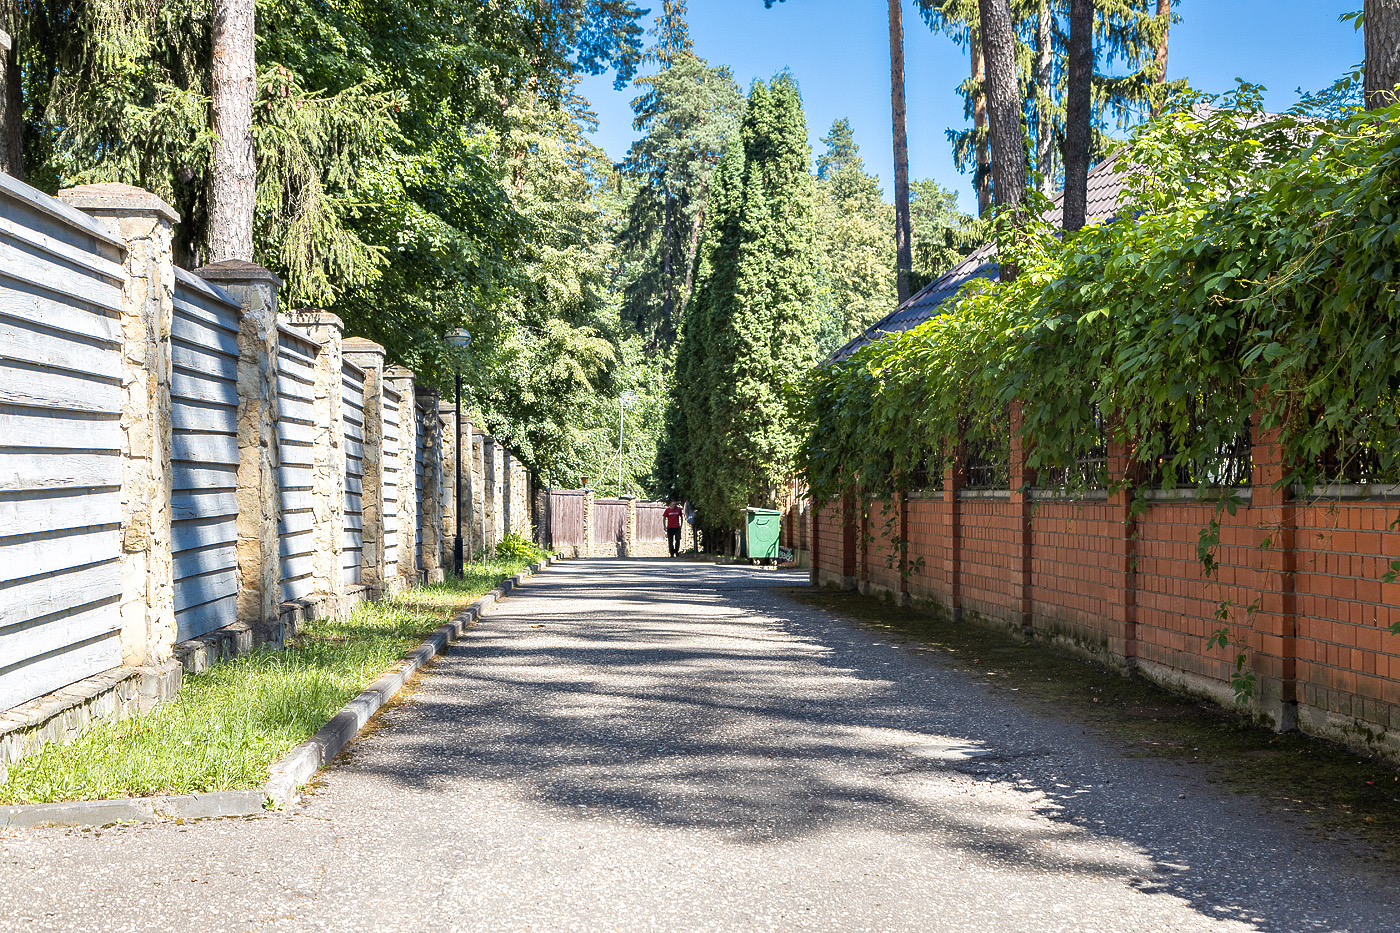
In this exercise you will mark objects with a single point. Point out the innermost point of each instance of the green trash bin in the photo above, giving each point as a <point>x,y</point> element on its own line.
<point>761,533</point>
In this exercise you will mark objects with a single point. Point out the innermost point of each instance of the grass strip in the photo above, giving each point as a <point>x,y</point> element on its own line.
<point>1334,791</point>
<point>230,723</point>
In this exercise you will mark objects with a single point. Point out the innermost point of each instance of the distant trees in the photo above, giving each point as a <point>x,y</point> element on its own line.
<point>687,113</point>
<point>1134,32</point>
<point>855,242</point>
<point>732,433</point>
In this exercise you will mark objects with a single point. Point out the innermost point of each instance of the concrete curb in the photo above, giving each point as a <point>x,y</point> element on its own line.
<point>286,776</point>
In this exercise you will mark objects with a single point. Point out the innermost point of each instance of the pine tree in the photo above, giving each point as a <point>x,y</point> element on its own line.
<point>855,242</point>
<point>687,113</point>
<point>752,326</point>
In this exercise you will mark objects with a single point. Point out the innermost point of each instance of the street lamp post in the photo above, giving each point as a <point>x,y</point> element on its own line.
<point>458,339</point>
<point>624,400</point>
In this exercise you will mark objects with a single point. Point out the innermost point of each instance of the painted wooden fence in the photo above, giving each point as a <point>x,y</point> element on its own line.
<point>296,437</point>
<point>392,476</point>
<point>353,411</point>
<point>60,445</point>
<point>203,457</point>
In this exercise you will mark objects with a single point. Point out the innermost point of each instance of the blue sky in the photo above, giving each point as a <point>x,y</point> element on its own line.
<point>839,52</point>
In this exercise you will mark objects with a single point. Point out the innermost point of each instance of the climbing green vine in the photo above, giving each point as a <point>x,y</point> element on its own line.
<point>1252,267</point>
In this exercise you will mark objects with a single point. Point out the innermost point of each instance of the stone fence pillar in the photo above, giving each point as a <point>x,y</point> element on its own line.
<point>401,380</point>
<point>328,454</point>
<point>451,497</point>
<point>259,559</point>
<point>145,223</point>
<point>475,479</point>
<point>493,468</point>
<point>629,535</point>
<point>585,549</point>
<point>430,507</point>
<point>374,563</point>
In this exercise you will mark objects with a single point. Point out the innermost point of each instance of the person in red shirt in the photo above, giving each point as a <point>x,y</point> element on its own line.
<point>672,517</point>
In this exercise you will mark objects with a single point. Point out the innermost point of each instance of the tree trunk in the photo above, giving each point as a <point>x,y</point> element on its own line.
<point>1003,95</point>
<point>1382,52</point>
<point>904,261</point>
<point>233,171</point>
<point>1164,14</point>
<point>1044,138</point>
<point>690,257</point>
<point>11,96</point>
<point>983,180</point>
<point>666,334</point>
<point>1078,112</point>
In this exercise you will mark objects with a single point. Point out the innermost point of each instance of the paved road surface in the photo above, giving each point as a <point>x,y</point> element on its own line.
<point>647,745</point>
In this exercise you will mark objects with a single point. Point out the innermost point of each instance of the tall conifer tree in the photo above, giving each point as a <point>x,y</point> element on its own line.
<point>752,327</point>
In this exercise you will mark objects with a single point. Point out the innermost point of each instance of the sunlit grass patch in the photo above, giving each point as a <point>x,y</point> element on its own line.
<point>230,723</point>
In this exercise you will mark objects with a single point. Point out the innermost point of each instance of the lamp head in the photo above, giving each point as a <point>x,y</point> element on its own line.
<point>459,338</point>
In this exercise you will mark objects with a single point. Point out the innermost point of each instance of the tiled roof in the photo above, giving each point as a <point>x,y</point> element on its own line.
<point>1106,182</point>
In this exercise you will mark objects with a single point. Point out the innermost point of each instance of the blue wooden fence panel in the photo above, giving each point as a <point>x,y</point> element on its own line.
<point>296,434</point>
<point>204,457</point>
<point>393,416</point>
<point>60,443</point>
<point>353,411</point>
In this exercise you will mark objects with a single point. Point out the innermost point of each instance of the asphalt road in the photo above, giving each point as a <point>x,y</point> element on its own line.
<point>671,746</point>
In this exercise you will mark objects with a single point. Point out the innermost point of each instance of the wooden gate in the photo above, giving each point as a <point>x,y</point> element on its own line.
<point>609,522</point>
<point>564,518</point>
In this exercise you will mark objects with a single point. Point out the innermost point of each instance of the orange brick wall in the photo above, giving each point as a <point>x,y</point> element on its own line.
<point>1319,634</point>
<point>1076,572</point>
<point>1348,664</point>
<point>931,550</point>
<point>991,558</point>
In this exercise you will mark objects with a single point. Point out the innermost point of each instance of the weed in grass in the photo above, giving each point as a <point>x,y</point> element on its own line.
<point>1330,787</point>
<point>230,723</point>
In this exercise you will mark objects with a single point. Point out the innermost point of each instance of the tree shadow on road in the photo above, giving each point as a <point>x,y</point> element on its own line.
<point>697,698</point>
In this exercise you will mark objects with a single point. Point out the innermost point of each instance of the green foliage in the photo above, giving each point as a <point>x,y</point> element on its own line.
<point>687,113</point>
<point>1255,266</point>
<point>855,243</point>
<point>513,547</point>
<point>943,235</point>
<point>229,723</point>
<point>733,433</point>
<point>1126,33</point>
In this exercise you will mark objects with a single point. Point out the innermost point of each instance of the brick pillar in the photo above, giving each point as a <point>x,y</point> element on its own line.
<point>1122,481</point>
<point>1275,635</point>
<point>259,559</point>
<point>144,222</point>
<point>430,507</point>
<point>903,547</point>
<point>401,380</point>
<point>954,476</point>
<point>328,453</point>
<point>1022,479</point>
<point>850,528</point>
<point>374,569</point>
<point>814,516</point>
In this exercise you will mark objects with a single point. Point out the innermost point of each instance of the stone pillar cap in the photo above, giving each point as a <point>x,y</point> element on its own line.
<point>398,372</point>
<point>310,316</point>
<point>114,197</point>
<point>360,345</point>
<point>237,270</point>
